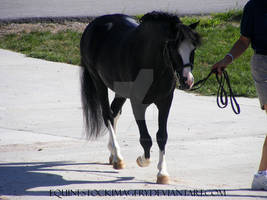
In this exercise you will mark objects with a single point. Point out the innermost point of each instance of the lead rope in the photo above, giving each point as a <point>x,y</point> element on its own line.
<point>222,96</point>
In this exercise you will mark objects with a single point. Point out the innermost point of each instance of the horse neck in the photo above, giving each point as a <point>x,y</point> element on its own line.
<point>149,39</point>
<point>148,46</point>
<point>153,33</point>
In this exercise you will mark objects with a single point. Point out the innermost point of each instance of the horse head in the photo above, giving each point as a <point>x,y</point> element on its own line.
<point>180,42</point>
<point>181,53</point>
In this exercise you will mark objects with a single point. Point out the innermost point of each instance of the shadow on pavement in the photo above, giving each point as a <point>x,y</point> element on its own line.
<point>20,178</point>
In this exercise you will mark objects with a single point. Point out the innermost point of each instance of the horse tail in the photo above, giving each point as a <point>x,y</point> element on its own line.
<point>91,104</point>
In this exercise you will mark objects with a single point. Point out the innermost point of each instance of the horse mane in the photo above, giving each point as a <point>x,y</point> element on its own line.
<point>160,16</point>
<point>156,16</point>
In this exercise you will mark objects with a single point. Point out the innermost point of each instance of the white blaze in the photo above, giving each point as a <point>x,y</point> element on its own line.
<point>185,49</point>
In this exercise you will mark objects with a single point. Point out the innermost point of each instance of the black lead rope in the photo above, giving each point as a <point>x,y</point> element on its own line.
<point>222,96</point>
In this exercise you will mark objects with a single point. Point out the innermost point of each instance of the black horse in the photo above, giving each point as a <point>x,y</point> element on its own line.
<point>140,62</point>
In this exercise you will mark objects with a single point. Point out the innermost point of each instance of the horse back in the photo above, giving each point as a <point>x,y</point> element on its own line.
<point>104,35</point>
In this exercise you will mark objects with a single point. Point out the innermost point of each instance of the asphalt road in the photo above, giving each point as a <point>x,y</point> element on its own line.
<point>17,9</point>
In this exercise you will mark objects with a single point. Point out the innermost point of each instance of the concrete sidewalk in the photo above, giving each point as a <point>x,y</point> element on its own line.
<point>42,146</point>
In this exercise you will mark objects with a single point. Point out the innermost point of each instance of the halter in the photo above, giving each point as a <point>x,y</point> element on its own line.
<point>188,65</point>
<point>170,46</point>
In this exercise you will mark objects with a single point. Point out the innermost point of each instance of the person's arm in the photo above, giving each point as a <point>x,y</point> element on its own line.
<point>239,47</point>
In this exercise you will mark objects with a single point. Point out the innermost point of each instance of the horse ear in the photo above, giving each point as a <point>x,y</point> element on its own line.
<point>194,25</point>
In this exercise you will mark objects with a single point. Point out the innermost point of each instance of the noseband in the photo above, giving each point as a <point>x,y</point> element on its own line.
<point>188,65</point>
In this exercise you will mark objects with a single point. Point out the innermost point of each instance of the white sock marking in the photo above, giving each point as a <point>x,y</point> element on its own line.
<point>143,161</point>
<point>162,167</point>
<point>113,145</point>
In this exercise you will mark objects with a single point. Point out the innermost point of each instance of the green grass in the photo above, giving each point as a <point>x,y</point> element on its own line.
<point>59,47</point>
<point>219,32</point>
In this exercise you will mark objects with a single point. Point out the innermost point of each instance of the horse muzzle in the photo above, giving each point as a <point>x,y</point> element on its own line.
<point>187,79</point>
<point>190,80</point>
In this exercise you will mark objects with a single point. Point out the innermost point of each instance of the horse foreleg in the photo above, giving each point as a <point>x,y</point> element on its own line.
<point>163,175</point>
<point>146,142</point>
<point>162,136</point>
<point>145,139</point>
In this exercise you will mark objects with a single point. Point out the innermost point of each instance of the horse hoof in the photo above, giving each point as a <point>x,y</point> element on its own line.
<point>119,164</point>
<point>111,159</point>
<point>142,162</point>
<point>163,179</point>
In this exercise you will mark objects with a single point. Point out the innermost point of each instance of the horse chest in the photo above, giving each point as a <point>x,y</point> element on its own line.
<point>162,86</point>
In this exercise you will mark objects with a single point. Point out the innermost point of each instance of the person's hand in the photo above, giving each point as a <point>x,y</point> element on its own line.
<point>221,65</point>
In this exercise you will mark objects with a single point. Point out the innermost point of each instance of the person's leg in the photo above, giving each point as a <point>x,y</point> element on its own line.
<point>263,163</point>
<point>260,179</point>
<point>259,74</point>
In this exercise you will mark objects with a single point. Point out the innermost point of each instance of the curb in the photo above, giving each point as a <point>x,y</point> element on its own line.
<point>63,19</point>
<point>46,19</point>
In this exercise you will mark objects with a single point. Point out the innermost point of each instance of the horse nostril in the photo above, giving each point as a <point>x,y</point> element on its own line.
<point>187,87</point>
<point>184,86</point>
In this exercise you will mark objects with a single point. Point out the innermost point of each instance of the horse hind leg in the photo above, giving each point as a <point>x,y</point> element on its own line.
<point>145,139</point>
<point>115,157</point>
<point>116,106</point>
<point>109,121</point>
